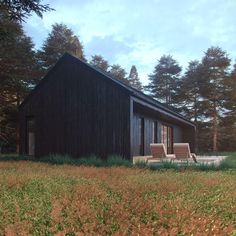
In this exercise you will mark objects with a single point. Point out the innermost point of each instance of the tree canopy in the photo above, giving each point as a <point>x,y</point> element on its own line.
<point>99,62</point>
<point>60,40</point>
<point>163,80</point>
<point>134,80</point>
<point>19,10</point>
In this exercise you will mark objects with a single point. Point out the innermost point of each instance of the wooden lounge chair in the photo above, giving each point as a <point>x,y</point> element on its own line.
<point>159,153</point>
<point>182,152</point>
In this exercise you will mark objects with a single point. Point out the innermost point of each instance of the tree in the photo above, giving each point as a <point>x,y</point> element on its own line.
<point>18,9</point>
<point>133,79</point>
<point>163,81</point>
<point>118,73</point>
<point>228,121</point>
<point>189,92</point>
<point>18,74</point>
<point>189,98</point>
<point>60,40</point>
<point>215,64</point>
<point>99,62</point>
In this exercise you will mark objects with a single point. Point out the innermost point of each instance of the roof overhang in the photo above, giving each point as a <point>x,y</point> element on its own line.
<point>168,113</point>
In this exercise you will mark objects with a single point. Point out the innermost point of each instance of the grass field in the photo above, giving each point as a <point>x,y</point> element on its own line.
<point>45,199</point>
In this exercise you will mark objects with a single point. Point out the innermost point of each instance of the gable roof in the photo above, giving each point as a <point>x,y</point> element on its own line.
<point>130,90</point>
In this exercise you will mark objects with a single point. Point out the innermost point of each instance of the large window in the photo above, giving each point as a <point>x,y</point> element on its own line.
<point>30,136</point>
<point>154,131</point>
<point>167,137</point>
<point>141,136</point>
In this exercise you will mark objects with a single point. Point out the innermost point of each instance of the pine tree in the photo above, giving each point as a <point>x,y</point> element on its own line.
<point>189,92</point>
<point>18,9</point>
<point>228,121</point>
<point>189,98</point>
<point>163,81</point>
<point>215,64</point>
<point>99,62</point>
<point>60,40</point>
<point>134,80</point>
<point>118,73</point>
<point>18,74</point>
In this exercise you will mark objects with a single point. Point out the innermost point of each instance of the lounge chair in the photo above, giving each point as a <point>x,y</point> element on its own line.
<point>159,153</point>
<point>182,152</point>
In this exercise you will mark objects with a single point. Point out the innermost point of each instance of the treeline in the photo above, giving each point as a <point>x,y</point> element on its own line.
<point>204,93</point>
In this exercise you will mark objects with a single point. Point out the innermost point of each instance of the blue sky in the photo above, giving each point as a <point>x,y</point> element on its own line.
<point>139,32</point>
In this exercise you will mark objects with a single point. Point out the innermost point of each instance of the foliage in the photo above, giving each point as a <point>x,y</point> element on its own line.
<point>164,80</point>
<point>228,122</point>
<point>99,62</point>
<point>60,40</point>
<point>42,199</point>
<point>19,72</point>
<point>115,160</point>
<point>215,64</point>
<point>117,72</point>
<point>18,9</point>
<point>134,80</point>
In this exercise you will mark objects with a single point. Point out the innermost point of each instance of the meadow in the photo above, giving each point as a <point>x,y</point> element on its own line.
<point>39,198</point>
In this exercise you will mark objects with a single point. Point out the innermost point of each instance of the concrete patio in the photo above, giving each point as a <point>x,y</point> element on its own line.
<point>208,160</point>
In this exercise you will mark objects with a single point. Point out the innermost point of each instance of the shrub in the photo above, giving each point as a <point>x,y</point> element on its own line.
<point>164,165</point>
<point>14,157</point>
<point>58,159</point>
<point>141,164</point>
<point>90,161</point>
<point>116,160</point>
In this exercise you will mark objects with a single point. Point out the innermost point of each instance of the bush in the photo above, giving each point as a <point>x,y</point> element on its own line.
<point>58,159</point>
<point>141,164</point>
<point>15,157</point>
<point>116,160</point>
<point>164,165</point>
<point>90,161</point>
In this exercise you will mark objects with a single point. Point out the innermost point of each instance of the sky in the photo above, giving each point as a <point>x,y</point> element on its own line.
<point>139,32</point>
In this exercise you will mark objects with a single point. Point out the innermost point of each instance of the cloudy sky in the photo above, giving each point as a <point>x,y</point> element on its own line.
<point>138,32</point>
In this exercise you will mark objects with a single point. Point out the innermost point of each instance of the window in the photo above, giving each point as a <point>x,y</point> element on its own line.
<point>167,137</point>
<point>154,132</point>
<point>30,136</point>
<point>141,136</point>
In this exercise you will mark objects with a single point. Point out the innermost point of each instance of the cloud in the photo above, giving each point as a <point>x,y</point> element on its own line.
<point>108,47</point>
<point>140,32</point>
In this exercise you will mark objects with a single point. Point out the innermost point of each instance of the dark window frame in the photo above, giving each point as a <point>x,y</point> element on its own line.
<point>169,136</point>
<point>27,120</point>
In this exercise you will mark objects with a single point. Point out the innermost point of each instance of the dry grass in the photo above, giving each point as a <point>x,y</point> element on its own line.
<point>43,199</point>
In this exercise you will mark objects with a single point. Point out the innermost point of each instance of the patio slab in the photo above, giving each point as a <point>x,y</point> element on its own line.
<point>208,160</point>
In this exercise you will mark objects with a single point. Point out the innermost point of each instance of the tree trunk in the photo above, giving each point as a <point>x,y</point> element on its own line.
<point>215,130</point>
<point>195,121</point>
<point>17,127</point>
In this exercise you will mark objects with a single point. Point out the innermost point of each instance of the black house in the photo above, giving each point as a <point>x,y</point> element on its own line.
<point>78,110</point>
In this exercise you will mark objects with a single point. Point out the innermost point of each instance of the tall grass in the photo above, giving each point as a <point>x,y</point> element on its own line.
<point>42,199</point>
<point>116,160</point>
<point>92,160</point>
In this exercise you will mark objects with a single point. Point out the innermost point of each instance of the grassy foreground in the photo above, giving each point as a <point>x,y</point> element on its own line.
<point>44,199</point>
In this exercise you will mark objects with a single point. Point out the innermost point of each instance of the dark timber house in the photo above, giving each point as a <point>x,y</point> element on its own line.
<point>79,110</point>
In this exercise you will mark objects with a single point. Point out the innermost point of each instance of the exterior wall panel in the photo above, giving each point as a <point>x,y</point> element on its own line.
<point>78,111</point>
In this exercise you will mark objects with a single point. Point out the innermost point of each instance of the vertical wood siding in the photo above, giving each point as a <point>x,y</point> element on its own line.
<point>78,111</point>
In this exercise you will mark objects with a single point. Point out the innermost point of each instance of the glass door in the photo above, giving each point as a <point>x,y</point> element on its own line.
<point>30,136</point>
<point>167,137</point>
<point>141,136</point>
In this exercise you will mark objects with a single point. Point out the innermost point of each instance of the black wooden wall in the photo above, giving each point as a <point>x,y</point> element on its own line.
<point>181,132</point>
<point>77,111</point>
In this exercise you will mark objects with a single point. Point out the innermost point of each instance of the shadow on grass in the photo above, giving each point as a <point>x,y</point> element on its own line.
<point>115,160</point>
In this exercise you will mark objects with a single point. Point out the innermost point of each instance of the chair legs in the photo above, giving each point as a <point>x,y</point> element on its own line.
<point>194,157</point>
